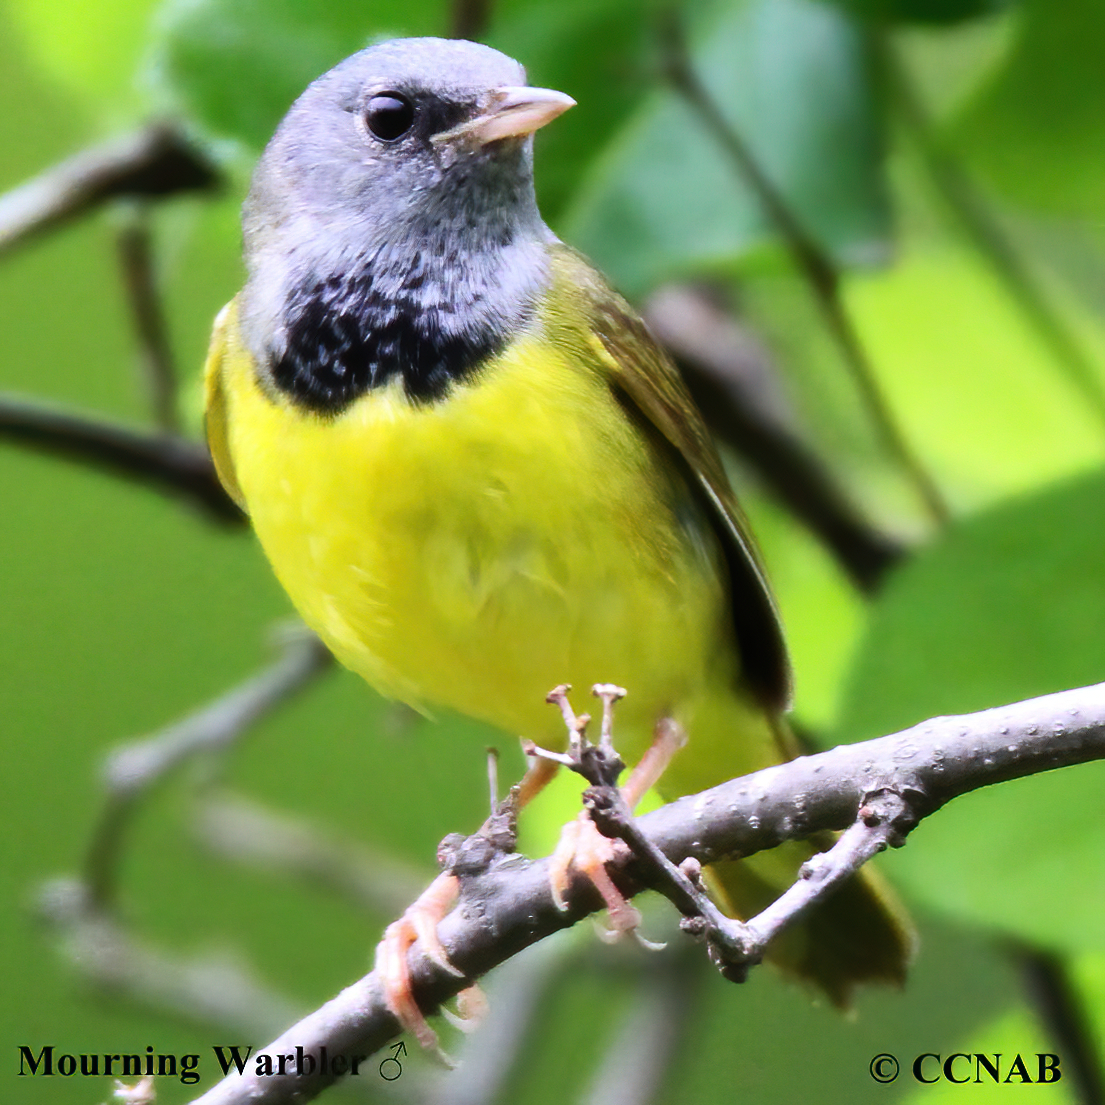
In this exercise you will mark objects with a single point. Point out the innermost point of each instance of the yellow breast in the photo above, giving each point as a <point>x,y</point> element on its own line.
<point>473,552</point>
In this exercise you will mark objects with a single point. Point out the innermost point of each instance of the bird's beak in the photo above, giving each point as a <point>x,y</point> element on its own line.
<point>509,113</point>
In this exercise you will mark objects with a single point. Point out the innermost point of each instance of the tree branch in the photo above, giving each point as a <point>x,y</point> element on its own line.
<point>148,314</point>
<point>133,769</point>
<point>510,906</point>
<point>469,18</point>
<point>171,464</point>
<point>156,161</point>
<point>649,1042</point>
<point>204,989</point>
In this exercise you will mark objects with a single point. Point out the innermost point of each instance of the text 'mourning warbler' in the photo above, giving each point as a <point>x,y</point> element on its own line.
<point>472,468</point>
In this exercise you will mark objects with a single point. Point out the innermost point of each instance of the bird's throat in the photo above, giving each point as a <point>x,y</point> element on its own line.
<point>350,333</point>
<point>427,305</point>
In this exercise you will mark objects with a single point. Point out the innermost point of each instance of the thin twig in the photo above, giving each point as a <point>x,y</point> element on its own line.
<point>516,997</point>
<point>734,946</point>
<point>470,18</point>
<point>651,1037</point>
<point>985,233</point>
<point>207,990</point>
<point>814,263</point>
<point>881,823</point>
<point>252,835</point>
<point>158,160</point>
<point>1056,999</point>
<point>170,464</point>
<point>728,375</point>
<point>136,261</point>
<point>511,907</point>
<point>132,770</point>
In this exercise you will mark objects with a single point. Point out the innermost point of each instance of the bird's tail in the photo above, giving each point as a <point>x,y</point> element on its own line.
<point>859,933</point>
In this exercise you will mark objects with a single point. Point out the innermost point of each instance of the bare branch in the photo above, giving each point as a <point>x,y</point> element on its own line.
<point>205,990</point>
<point>649,1040</point>
<point>510,906</point>
<point>170,464</point>
<point>470,18</point>
<point>136,261</point>
<point>132,770</point>
<point>156,161</point>
<point>1061,1009</point>
<point>249,834</point>
<point>881,819</point>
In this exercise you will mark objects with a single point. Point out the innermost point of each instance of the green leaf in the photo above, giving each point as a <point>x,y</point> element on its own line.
<point>1089,974</point>
<point>236,66</point>
<point>1008,605</point>
<point>1035,133</point>
<point>791,76</point>
<point>921,11</point>
<point>972,382</point>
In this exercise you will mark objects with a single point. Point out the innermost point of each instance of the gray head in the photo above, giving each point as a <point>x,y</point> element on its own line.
<point>391,228</point>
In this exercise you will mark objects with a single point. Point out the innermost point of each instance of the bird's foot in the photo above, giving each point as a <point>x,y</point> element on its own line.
<point>459,856</point>
<point>584,848</point>
<point>418,923</point>
<point>584,845</point>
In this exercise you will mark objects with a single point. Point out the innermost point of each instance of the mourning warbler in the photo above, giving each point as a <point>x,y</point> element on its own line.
<point>472,468</point>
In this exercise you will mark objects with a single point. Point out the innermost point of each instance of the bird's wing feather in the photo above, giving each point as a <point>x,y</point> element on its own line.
<point>645,377</point>
<point>215,416</point>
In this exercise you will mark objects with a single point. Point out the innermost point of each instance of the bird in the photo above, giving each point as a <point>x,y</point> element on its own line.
<point>475,472</point>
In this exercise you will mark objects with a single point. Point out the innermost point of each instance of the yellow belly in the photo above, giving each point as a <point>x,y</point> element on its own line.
<point>474,552</point>
<point>523,532</point>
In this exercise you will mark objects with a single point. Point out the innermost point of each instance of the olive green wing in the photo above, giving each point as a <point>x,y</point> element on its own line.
<point>222,348</point>
<point>645,378</point>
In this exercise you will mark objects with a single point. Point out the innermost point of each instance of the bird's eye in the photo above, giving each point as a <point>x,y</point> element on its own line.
<point>389,115</point>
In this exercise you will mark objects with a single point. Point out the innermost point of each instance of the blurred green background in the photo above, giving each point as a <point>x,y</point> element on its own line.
<point>123,610</point>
